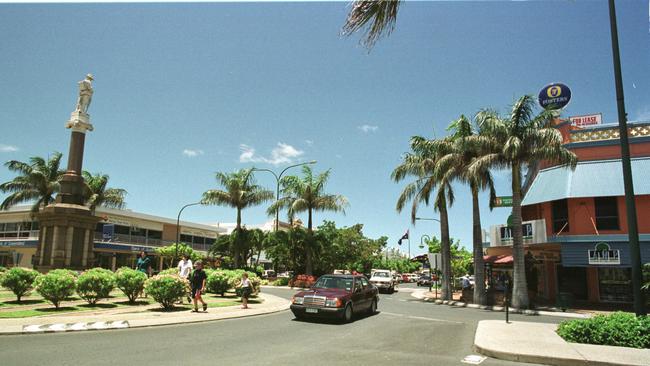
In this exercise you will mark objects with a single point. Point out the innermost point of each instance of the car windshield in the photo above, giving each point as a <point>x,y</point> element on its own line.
<point>380,274</point>
<point>334,282</point>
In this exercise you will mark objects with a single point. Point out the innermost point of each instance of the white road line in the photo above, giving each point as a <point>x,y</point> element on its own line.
<point>421,318</point>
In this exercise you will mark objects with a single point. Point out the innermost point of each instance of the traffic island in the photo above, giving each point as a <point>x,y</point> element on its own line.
<point>539,343</point>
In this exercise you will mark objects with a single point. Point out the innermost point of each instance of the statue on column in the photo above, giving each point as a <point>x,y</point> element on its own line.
<point>85,94</point>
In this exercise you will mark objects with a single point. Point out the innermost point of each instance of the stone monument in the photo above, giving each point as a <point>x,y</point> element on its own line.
<point>67,226</point>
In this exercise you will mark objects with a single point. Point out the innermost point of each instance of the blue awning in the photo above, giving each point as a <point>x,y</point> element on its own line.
<point>600,178</point>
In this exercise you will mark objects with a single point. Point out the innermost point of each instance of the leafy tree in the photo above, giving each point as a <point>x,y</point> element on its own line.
<point>517,141</point>
<point>19,280</point>
<point>239,192</point>
<point>131,282</point>
<point>37,181</point>
<point>306,194</point>
<point>461,258</point>
<point>168,252</point>
<point>96,193</point>
<point>423,164</point>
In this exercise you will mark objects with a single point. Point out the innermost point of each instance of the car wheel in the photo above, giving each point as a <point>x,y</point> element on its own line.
<point>347,314</point>
<point>372,310</point>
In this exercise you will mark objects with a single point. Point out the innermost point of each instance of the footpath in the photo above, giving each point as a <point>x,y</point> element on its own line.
<point>538,342</point>
<point>126,317</point>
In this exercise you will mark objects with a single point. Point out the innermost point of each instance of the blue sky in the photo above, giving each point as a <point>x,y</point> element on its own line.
<point>185,90</point>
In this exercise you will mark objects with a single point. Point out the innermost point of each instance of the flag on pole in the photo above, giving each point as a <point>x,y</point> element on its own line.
<point>404,237</point>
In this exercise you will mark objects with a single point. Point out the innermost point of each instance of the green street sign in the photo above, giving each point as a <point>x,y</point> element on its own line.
<point>503,201</point>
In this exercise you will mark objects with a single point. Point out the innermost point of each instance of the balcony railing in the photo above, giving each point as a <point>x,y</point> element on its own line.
<point>534,233</point>
<point>141,240</point>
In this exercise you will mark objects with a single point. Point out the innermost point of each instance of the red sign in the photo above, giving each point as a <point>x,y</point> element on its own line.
<point>587,120</point>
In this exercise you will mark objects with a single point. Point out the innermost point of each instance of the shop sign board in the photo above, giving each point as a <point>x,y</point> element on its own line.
<point>503,201</point>
<point>554,96</point>
<point>108,231</point>
<point>586,120</point>
<point>603,254</point>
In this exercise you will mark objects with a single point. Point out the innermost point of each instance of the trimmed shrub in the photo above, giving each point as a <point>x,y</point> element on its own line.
<point>617,329</point>
<point>95,284</point>
<point>303,280</point>
<point>56,286</point>
<point>131,282</point>
<point>169,271</point>
<point>218,282</point>
<point>166,289</point>
<point>264,282</point>
<point>19,280</point>
<point>282,281</point>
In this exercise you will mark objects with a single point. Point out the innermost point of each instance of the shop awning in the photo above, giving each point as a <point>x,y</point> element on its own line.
<point>600,178</point>
<point>498,259</point>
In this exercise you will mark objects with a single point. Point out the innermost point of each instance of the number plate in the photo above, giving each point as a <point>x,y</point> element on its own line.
<point>311,310</point>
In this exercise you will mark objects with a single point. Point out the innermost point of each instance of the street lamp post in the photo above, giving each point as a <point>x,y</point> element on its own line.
<point>430,264</point>
<point>277,187</point>
<point>178,227</point>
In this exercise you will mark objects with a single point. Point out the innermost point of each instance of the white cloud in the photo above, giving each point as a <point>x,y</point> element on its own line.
<point>192,153</point>
<point>8,148</point>
<point>281,154</point>
<point>309,142</point>
<point>368,128</point>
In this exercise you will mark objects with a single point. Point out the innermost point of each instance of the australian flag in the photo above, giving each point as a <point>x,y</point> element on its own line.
<point>404,237</point>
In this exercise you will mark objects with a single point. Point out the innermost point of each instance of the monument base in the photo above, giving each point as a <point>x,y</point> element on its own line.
<point>66,237</point>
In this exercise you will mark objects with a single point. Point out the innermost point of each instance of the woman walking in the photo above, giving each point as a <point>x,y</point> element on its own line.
<point>246,290</point>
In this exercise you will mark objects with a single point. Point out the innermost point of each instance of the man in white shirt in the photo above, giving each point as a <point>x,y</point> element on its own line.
<point>184,270</point>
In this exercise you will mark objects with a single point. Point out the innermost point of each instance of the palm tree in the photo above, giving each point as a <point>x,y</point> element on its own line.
<point>239,191</point>
<point>306,194</point>
<point>422,163</point>
<point>515,142</point>
<point>464,149</point>
<point>379,15</point>
<point>37,181</point>
<point>96,193</point>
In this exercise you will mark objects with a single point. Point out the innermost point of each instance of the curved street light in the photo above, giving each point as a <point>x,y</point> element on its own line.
<point>277,188</point>
<point>178,227</point>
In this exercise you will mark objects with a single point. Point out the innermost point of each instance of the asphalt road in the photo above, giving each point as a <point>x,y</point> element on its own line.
<point>406,331</point>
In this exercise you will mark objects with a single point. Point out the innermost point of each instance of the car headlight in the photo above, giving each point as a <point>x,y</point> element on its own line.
<point>333,303</point>
<point>298,300</point>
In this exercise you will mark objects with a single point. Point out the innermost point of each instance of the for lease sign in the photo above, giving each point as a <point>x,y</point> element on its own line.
<point>586,120</point>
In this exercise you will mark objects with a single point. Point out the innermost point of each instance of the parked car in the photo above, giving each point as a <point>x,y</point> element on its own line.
<point>413,277</point>
<point>269,274</point>
<point>383,280</point>
<point>424,280</point>
<point>336,296</point>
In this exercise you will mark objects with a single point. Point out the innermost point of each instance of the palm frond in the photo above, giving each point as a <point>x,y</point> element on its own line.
<point>379,16</point>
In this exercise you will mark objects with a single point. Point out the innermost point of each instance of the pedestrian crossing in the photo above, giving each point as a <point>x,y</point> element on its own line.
<point>71,327</point>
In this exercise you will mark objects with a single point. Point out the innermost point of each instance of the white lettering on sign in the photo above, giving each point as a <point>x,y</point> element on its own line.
<point>587,120</point>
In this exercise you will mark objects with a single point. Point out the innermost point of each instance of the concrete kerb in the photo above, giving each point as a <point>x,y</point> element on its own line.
<point>271,304</point>
<point>539,343</point>
<point>420,294</point>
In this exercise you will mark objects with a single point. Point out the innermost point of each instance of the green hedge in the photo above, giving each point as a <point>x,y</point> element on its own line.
<point>19,280</point>
<point>221,280</point>
<point>166,289</point>
<point>282,281</point>
<point>56,285</point>
<point>617,329</point>
<point>95,284</point>
<point>131,282</point>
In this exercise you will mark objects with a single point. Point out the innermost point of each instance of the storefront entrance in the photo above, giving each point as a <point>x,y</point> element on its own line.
<point>573,280</point>
<point>615,284</point>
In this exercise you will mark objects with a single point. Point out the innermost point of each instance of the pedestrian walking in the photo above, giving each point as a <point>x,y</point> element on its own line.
<point>198,286</point>
<point>184,271</point>
<point>246,290</point>
<point>144,265</point>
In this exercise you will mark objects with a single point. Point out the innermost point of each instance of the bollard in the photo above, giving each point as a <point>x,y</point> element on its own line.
<point>507,300</point>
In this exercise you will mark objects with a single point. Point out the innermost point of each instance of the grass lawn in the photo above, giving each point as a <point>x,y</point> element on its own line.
<point>71,309</point>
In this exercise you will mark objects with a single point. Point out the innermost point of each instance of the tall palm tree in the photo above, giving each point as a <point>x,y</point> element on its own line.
<point>37,181</point>
<point>307,194</point>
<point>517,141</point>
<point>464,149</point>
<point>422,163</point>
<point>379,15</point>
<point>239,192</point>
<point>96,193</point>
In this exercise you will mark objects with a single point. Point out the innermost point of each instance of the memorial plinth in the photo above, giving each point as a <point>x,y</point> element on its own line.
<point>67,226</point>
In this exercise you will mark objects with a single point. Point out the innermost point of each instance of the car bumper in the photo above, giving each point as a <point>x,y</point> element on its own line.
<point>383,285</point>
<point>301,310</point>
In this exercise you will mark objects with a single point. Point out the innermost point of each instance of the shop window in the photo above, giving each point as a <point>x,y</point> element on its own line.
<point>154,234</point>
<point>35,225</point>
<point>615,284</point>
<point>209,241</point>
<point>123,230</point>
<point>11,226</point>
<point>187,239</point>
<point>560,212</point>
<point>99,228</point>
<point>606,213</point>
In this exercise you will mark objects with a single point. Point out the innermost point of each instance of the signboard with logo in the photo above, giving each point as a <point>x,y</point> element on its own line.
<point>108,231</point>
<point>554,96</point>
<point>503,201</point>
<point>603,254</point>
<point>586,120</point>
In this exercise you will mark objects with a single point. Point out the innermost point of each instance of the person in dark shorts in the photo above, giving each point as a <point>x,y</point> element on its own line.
<point>198,286</point>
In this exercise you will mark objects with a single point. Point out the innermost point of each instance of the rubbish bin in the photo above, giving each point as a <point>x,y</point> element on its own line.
<point>564,300</point>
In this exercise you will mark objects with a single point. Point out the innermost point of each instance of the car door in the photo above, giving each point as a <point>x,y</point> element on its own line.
<point>368,292</point>
<point>358,295</point>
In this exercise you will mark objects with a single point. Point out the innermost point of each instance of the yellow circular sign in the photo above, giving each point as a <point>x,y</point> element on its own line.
<point>554,91</point>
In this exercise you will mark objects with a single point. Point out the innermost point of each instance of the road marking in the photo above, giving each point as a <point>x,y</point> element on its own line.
<point>69,327</point>
<point>473,359</point>
<point>421,318</point>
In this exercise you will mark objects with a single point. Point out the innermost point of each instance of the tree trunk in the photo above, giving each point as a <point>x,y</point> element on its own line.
<point>308,244</point>
<point>445,251</point>
<point>479,267</point>
<point>237,243</point>
<point>520,288</point>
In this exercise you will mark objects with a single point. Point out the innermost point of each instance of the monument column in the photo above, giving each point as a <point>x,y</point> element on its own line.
<point>69,220</point>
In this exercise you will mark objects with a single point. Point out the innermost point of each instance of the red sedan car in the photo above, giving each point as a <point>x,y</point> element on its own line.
<point>336,296</point>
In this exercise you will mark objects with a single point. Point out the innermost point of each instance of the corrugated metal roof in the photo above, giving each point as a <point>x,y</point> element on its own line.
<point>600,178</point>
